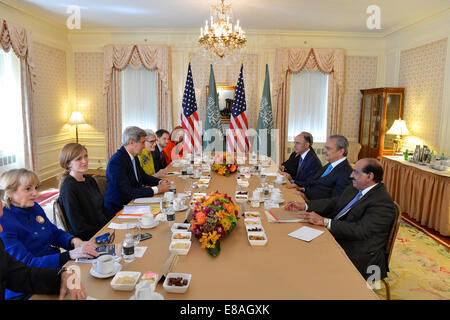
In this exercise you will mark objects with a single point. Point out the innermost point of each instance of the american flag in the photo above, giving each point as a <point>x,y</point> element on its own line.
<point>189,117</point>
<point>237,137</point>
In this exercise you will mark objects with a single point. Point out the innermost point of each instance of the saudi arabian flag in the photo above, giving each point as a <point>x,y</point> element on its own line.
<point>213,114</point>
<point>265,119</point>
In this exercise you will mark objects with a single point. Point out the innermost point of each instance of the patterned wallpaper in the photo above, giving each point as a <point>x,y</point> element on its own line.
<point>360,73</point>
<point>226,74</point>
<point>89,89</point>
<point>422,71</point>
<point>50,100</point>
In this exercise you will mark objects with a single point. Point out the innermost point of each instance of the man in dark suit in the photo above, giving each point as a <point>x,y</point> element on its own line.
<point>332,179</point>
<point>162,140</point>
<point>360,219</point>
<point>307,161</point>
<point>125,178</point>
<point>17,276</point>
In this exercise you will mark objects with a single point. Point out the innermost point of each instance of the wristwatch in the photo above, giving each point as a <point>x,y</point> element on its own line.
<point>325,222</point>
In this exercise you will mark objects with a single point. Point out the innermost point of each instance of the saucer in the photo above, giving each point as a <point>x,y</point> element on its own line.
<point>154,224</point>
<point>153,296</point>
<point>184,207</point>
<point>117,268</point>
<point>259,200</point>
<point>277,201</point>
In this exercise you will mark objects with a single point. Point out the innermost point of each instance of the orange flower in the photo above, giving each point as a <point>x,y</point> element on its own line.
<point>201,218</point>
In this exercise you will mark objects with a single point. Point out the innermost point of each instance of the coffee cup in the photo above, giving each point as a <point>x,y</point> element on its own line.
<point>275,196</point>
<point>280,178</point>
<point>104,264</point>
<point>256,195</point>
<point>178,203</point>
<point>169,196</point>
<point>147,220</point>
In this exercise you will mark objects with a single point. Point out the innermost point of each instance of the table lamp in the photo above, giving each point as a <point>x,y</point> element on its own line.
<point>76,118</point>
<point>398,129</point>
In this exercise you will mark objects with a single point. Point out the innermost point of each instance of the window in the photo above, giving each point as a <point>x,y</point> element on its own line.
<point>139,94</point>
<point>11,121</point>
<point>308,105</point>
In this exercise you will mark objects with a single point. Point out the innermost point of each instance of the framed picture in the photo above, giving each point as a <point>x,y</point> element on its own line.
<point>225,94</point>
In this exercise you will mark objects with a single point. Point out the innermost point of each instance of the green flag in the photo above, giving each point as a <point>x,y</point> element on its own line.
<point>265,119</point>
<point>212,110</point>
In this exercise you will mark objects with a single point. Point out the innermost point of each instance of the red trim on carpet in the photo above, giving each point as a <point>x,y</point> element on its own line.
<point>47,196</point>
<point>445,241</point>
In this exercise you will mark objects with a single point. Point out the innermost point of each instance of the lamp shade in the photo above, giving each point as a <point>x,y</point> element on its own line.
<point>77,118</point>
<point>399,128</point>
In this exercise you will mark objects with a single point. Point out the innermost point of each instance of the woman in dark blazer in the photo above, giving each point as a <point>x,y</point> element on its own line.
<point>80,197</point>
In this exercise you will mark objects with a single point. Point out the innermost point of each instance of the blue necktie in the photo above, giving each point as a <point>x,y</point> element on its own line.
<point>300,161</point>
<point>135,171</point>
<point>348,206</point>
<point>329,168</point>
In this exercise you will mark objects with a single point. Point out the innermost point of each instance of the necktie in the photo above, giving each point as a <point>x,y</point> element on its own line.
<point>329,168</point>
<point>163,160</point>
<point>135,171</point>
<point>300,161</point>
<point>348,206</point>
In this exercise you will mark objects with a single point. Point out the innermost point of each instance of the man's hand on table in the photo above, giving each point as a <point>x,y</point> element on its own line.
<point>71,283</point>
<point>294,206</point>
<point>164,186</point>
<point>161,173</point>
<point>312,217</point>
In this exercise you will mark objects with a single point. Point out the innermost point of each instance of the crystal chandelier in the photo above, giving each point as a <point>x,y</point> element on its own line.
<point>221,38</point>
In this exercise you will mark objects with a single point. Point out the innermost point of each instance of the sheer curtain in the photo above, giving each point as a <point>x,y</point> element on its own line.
<point>308,102</point>
<point>139,98</point>
<point>11,121</point>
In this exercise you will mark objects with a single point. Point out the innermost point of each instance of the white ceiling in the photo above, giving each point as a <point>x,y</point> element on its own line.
<point>305,15</point>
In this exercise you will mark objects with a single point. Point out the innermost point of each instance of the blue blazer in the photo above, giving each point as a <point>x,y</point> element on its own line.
<point>121,183</point>
<point>332,185</point>
<point>32,242</point>
<point>308,169</point>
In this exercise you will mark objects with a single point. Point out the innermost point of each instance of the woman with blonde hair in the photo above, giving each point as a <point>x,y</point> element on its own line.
<point>79,195</point>
<point>27,234</point>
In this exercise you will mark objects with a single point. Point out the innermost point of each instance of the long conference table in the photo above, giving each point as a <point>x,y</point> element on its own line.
<point>284,269</point>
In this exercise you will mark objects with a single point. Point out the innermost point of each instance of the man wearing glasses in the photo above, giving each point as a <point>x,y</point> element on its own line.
<point>146,158</point>
<point>360,219</point>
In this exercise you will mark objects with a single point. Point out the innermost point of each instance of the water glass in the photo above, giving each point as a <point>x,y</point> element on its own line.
<point>136,233</point>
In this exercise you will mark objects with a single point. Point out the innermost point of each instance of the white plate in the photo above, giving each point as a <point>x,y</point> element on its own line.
<point>175,289</point>
<point>257,242</point>
<point>155,223</point>
<point>128,286</point>
<point>153,296</point>
<point>184,207</point>
<point>181,252</point>
<point>176,224</point>
<point>184,233</point>
<point>117,268</point>
<point>246,215</point>
<point>277,201</point>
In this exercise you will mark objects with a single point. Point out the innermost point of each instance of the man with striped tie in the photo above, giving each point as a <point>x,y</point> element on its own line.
<point>333,178</point>
<point>360,219</point>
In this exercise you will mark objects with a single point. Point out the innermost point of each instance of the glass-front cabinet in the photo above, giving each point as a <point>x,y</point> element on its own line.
<point>380,107</point>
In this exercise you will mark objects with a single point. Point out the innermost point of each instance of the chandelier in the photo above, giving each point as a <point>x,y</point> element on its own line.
<point>221,38</point>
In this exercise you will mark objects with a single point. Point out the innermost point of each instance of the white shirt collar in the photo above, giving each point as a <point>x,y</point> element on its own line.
<point>159,148</point>
<point>367,189</point>
<point>304,154</point>
<point>334,164</point>
<point>131,156</point>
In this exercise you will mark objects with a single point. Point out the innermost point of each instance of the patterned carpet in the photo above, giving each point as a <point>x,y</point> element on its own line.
<point>420,267</point>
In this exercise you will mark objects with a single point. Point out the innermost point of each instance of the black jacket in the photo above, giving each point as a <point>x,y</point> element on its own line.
<point>332,185</point>
<point>158,159</point>
<point>291,164</point>
<point>18,277</point>
<point>310,165</point>
<point>363,231</point>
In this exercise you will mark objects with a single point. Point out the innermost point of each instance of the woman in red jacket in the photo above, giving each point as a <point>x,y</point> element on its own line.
<point>174,149</point>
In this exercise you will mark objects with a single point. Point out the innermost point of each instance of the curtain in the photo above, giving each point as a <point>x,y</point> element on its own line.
<point>20,40</point>
<point>139,98</point>
<point>292,61</point>
<point>116,59</point>
<point>308,105</point>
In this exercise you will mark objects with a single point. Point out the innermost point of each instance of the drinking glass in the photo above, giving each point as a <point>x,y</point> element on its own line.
<point>188,187</point>
<point>262,179</point>
<point>136,233</point>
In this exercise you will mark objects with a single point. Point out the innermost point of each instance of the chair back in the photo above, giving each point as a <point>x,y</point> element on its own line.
<point>59,214</point>
<point>394,230</point>
<point>101,183</point>
<point>353,151</point>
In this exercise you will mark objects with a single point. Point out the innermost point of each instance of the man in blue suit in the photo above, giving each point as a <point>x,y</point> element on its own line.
<point>307,163</point>
<point>333,178</point>
<point>125,178</point>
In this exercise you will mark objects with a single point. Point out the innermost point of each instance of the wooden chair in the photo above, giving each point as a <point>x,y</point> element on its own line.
<point>390,243</point>
<point>101,183</point>
<point>58,213</point>
<point>353,151</point>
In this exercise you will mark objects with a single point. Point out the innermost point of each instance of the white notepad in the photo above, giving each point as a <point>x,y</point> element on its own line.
<point>306,233</point>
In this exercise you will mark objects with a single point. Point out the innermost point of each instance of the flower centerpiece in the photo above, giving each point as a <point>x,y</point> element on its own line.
<point>222,167</point>
<point>213,218</point>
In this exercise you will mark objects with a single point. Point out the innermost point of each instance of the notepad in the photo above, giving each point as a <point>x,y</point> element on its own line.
<point>147,200</point>
<point>306,233</point>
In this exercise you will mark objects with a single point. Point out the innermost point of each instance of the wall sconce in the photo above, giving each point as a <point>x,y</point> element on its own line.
<point>399,129</point>
<point>76,118</point>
